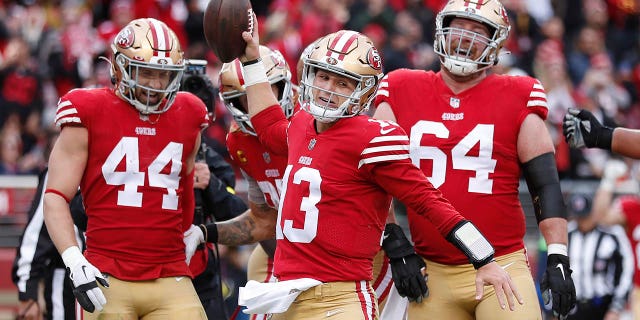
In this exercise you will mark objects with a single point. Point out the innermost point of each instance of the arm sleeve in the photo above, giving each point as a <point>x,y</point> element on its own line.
<point>271,127</point>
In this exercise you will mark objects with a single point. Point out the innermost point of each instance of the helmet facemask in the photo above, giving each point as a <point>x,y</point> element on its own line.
<point>130,72</point>
<point>344,53</point>
<point>147,50</point>
<point>233,100</point>
<point>323,112</point>
<point>457,54</point>
<point>233,91</point>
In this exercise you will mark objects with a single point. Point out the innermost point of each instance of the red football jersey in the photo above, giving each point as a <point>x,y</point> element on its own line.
<point>264,166</point>
<point>134,181</point>
<point>335,196</point>
<point>466,145</point>
<point>630,207</point>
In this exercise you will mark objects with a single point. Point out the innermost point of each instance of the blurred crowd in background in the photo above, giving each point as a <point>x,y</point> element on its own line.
<point>585,52</point>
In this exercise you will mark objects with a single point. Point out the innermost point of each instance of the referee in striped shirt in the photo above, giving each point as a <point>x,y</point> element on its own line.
<point>37,260</point>
<point>602,263</point>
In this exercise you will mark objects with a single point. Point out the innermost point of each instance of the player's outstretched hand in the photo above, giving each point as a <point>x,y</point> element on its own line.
<point>557,286</point>
<point>192,239</point>
<point>407,268</point>
<point>582,129</point>
<point>493,274</point>
<point>84,276</point>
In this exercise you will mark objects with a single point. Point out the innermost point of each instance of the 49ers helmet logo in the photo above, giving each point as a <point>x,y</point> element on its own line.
<point>125,38</point>
<point>373,58</point>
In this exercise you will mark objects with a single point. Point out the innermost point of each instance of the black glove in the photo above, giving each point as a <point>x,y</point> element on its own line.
<point>581,128</point>
<point>406,265</point>
<point>557,286</point>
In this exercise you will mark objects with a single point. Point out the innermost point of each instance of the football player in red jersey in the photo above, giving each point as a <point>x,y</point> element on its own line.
<point>135,172</point>
<point>342,169</point>
<point>263,169</point>
<point>473,134</point>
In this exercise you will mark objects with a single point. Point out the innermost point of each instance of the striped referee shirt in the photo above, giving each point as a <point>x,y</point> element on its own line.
<point>37,258</point>
<point>602,263</point>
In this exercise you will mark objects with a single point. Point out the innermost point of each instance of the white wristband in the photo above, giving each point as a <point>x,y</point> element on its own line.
<point>254,73</point>
<point>71,256</point>
<point>557,248</point>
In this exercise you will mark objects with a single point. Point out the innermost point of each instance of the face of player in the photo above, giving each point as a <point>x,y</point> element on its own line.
<point>462,43</point>
<point>155,79</point>
<point>331,89</point>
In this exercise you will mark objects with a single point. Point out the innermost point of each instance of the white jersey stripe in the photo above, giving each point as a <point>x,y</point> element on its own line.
<point>389,138</point>
<point>67,112</point>
<point>537,103</point>
<point>67,120</point>
<point>386,148</point>
<point>538,94</point>
<point>382,92</point>
<point>382,159</point>
<point>63,104</point>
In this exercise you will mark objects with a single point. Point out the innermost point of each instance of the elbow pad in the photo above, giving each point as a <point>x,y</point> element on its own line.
<point>542,179</point>
<point>466,237</point>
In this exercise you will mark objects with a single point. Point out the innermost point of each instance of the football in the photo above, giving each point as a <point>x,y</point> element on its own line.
<point>224,22</point>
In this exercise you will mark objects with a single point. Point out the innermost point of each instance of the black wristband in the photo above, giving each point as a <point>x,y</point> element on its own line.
<point>604,140</point>
<point>250,62</point>
<point>212,233</point>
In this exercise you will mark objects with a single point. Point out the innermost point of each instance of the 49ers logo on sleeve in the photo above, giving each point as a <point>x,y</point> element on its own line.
<point>125,38</point>
<point>373,58</point>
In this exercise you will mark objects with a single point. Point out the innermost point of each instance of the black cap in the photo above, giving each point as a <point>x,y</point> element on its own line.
<point>579,205</point>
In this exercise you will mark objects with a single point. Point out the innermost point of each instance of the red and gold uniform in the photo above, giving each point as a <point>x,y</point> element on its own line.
<point>466,144</point>
<point>132,186</point>
<point>267,169</point>
<point>335,201</point>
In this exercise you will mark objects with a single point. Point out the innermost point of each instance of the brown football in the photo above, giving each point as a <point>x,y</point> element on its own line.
<point>224,22</point>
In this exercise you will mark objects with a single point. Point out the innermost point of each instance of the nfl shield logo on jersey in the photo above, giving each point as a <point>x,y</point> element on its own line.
<point>266,157</point>
<point>454,102</point>
<point>312,144</point>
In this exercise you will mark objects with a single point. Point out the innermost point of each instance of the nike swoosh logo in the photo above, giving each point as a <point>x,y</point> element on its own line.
<point>83,271</point>
<point>507,265</point>
<point>385,131</point>
<point>559,266</point>
<point>179,278</point>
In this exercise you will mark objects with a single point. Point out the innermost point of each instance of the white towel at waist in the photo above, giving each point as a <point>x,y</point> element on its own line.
<point>273,297</point>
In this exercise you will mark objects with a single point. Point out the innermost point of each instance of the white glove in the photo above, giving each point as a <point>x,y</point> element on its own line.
<point>84,276</point>
<point>613,170</point>
<point>192,239</point>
